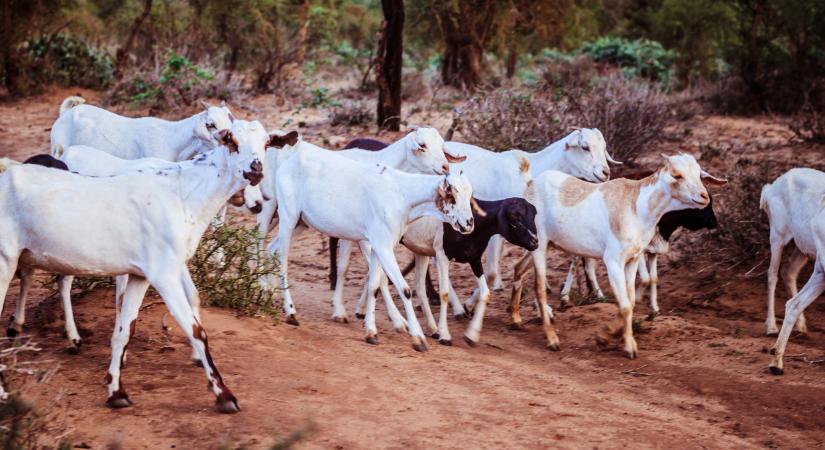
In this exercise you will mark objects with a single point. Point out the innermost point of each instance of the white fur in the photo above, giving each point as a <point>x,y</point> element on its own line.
<point>144,224</point>
<point>584,229</point>
<point>582,154</point>
<point>142,137</point>
<point>365,202</point>
<point>791,203</point>
<point>420,151</point>
<point>812,289</point>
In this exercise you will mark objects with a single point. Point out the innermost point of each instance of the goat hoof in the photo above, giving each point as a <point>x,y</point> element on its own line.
<point>601,341</point>
<point>118,400</point>
<point>418,308</point>
<point>516,326</point>
<point>631,354</point>
<point>772,351</point>
<point>372,340</point>
<point>75,348</point>
<point>470,342</point>
<point>419,345</point>
<point>460,316</point>
<point>197,362</point>
<point>776,370</point>
<point>340,319</point>
<point>554,347</point>
<point>226,403</point>
<point>290,319</point>
<point>11,332</point>
<point>447,342</point>
<point>434,335</point>
<point>359,316</point>
<point>563,305</point>
<point>772,334</point>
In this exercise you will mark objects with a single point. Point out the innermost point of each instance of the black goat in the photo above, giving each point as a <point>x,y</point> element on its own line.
<point>513,218</point>
<point>46,160</point>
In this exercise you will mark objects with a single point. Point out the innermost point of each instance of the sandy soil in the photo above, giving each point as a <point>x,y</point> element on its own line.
<point>700,381</point>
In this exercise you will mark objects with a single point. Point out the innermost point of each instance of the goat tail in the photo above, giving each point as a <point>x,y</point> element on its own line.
<point>763,197</point>
<point>333,262</point>
<point>5,163</point>
<point>70,103</point>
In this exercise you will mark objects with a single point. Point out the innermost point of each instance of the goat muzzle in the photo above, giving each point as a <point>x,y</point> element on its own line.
<point>255,174</point>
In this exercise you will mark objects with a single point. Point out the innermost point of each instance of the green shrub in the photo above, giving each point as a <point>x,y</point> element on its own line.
<point>66,60</point>
<point>637,58</point>
<point>320,98</point>
<point>235,283</point>
<point>177,82</point>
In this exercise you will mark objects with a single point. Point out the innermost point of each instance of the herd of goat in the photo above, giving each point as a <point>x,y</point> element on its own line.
<point>135,196</point>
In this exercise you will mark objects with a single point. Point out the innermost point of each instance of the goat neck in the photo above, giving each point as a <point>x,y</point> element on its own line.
<point>550,158</point>
<point>419,193</point>
<point>182,142</point>
<point>206,183</point>
<point>394,155</point>
<point>654,200</point>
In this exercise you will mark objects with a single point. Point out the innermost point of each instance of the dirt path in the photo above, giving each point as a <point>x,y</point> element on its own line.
<point>700,381</point>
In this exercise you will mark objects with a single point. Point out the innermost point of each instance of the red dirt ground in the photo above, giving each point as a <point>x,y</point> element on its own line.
<point>700,381</point>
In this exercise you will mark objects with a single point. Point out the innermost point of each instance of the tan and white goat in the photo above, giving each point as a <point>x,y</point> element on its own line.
<point>613,221</point>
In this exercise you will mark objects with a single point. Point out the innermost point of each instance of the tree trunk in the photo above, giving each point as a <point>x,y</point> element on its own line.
<point>465,28</point>
<point>301,36</point>
<point>388,65</point>
<point>123,52</point>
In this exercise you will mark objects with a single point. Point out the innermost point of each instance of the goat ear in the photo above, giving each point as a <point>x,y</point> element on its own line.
<point>711,180</point>
<point>223,103</point>
<point>454,159</point>
<point>277,141</point>
<point>225,138</point>
<point>205,104</point>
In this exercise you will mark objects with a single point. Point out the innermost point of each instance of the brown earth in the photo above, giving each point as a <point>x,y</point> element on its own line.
<point>700,381</point>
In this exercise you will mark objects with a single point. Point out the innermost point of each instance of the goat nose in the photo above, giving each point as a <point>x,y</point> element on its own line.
<point>445,168</point>
<point>606,173</point>
<point>256,166</point>
<point>705,197</point>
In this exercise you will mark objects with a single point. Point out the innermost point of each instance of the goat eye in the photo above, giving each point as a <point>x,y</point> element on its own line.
<point>677,176</point>
<point>211,126</point>
<point>586,148</point>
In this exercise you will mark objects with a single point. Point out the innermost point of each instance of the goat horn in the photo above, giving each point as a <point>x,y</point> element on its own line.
<point>476,208</point>
<point>611,160</point>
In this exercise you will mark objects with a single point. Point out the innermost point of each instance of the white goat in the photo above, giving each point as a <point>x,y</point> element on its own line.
<point>420,151</point>
<point>582,154</point>
<point>368,203</point>
<point>614,221</point>
<point>144,224</point>
<point>791,203</point>
<point>143,137</point>
<point>89,161</point>
<point>810,292</point>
